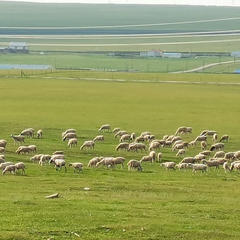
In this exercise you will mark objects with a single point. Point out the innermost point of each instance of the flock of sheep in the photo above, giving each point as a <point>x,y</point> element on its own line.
<point>145,142</point>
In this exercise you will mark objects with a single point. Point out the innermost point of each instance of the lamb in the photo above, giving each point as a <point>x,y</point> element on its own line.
<point>23,149</point>
<point>36,157</point>
<point>72,142</point>
<point>219,154</point>
<point>98,138</point>
<point>203,145</point>
<point>146,159</point>
<point>33,148</point>
<point>59,163</point>
<point>184,166</point>
<point>119,160</point>
<point>159,157</point>
<point>153,155</point>
<point>5,164</point>
<point>106,161</point>
<point>88,144</point>
<point>134,165</point>
<point>180,152</point>
<point>70,130</point>
<point>17,139</point>
<point>224,138</point>
<point>169,165</point>
<point>76,166</point>
<point>120,133</point>
<point>217,146</point>
<point>39,133</point>
<point>44,158</point>
<point>122,146</point>
<point>154,146</point>
<point>9,168</point>
<point>69,136</point>
<point>3,143</point>
<point>93,162</point>
<point>199,167</point>
<point>20,166</point>
<point>125,137</point>
<point>29,132</point>
<point>106,127</point>
<point>215,137</point>
<point>229,155</point>
<point>2,149</point>
<point>133,136</point>
<point>188,160</point>
<point>115,130</point>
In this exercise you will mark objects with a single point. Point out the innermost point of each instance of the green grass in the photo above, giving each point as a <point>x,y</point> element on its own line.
<point>154,204</point>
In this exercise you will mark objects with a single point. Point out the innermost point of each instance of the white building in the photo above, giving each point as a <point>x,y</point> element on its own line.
<point>18,47</point>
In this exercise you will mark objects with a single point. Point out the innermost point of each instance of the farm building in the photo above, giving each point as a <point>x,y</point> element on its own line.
<point>18,47</point>
<point>235,54</point>
<point>153,53</point>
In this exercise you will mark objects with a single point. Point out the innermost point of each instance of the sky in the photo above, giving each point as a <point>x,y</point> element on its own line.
<point>183,2</point>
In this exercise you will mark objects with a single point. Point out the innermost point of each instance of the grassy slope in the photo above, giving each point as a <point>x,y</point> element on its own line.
<point>155,204</point>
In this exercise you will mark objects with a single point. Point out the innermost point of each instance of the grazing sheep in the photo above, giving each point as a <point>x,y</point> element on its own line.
<point>199,157</point>
<point>29,132</point>
<point>235,165</point>
<point>176,143</point>
<point>20,166</point>
<point>219,154</point>
<point>98,138</point>
<point>184,166</point>
<point>134,165</point>
<point>33,148</point>
<point>44,158</point>
<point>169,165</point>
<point>106,161</point>
<point>229,155</point>
<point>3,143</point>
<point>58,152</point>
<point>168,144</point>
<point>165,137</point>
<point>9,168</point>
<point>70,130</point>
<point>136,146</point>
<point>212,163</point>
<point>139,139</point>
<point>177,138</point>
<point>36,157</point>
<point>146,159</point>
<point>180,152</point>
<point>59,163</point>
<point>93,162</point>
<point>237,155</point>
<point>2,149</point>
<point>122,146</point>
<point>17,139</point>
<point>69,136</point>
<point>200,138</point>
<point>181,130</point>
<point>72,142</point>
<point>120,133</point>
<point>203,145</point>
<point>5,164</point>
<point>199,167</point>
<point>115,130</point>
<point>204,132</point>
<point>226,167</point>
<point>217,146</point>
<point>170,138</point>
<point>215,137</point>
<point>39,133</point>
<point>76,166</point>
<point>224,138</point>
<point>211,132</point>
<point>118,160</point>
<point>188,160</point>
<point>125,137</point>
<point>193,143</point>
<point>106,127</point>
<point>178,146</point>
<point>206,153</point>
<point>145,133</point>
<point>220,160</point>
<point>153,155</point>
<point>154,146</point>
<point>133,136</point>
<point>88,144</point>
<point>159,157</point>
<point>23,149</point>
<point>161,141</point>
<point>57,156</point>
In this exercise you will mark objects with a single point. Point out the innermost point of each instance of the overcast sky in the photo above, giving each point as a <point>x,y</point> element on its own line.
<point>190,2</point>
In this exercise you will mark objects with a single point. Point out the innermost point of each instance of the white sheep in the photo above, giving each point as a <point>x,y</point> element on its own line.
<point>122,146</point>
<point>88,144</point>
<point>125,137</point>
<point>193,143</point>
<point>72,142</point>
<point>36,157</point>
<point>199,167</point>
<point>106,161</point>
<point>69,136</point>
<point>134,165</point>
<point>237,155</point>
<point>139,139</point>
<point>154,146</point>
<point>17,139</point>
<point>188,160</point>
<point>215,137</point>
<point>229,155</point>
<point>39,133</point>
<point>70,130</point>
<point>145,133</point>
<point>169,165</point>
<point>136,146</point>
<point>206,153</point>
<point>29,132</point>
<point>199,157</point>
<point>98,138</point>
<point>76,166</point>
<point>180,152</point>
<point>226,167</point>
<point>219,154</point>
<point>9,168</point>
<point>93,162</point>
<point>115,130</point>
<point>184,166</point>
<point>200,138</point>
<point>33,148</point>
<point>146,159</point>
<point>5,164</point>
<point>3,143</point>
<point>211,163</point>
<point>159,157</point>
<point>44,158</point>
<point>153,155</point>
<point>235,165</point>
<point>119,160</point>
<point>59,163</point>
<point>224,138</point>
<point>203,145</point>
<point>217,146</point>
<point>20,166</point>
<point>106,127</point>
<point>120,133</point>
<point>23,149</point>
<point>133,136</point>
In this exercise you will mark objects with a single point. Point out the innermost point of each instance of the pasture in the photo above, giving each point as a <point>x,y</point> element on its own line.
<point>153,204</point>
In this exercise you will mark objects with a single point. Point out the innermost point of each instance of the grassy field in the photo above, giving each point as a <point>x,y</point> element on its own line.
<point>154,204</point>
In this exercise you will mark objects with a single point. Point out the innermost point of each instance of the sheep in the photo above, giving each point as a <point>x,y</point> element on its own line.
<point>213,163</point>
<point>3,143</point>
<point>192,143</point>
<point>136,146</point>
<point>106,161</point>
<point>150,137</point>
<point>180,152</point>
<point>145,133</point>
<point>165,137</point>
<point>219,154</point>
<point>199,167</point>
<point>203,145</point>
<point>2,149</point>
<point>206,153</point>
<point>115,130</point>
<point>146,159</point>
<point>153,155</point>
<point>217,146</point>
<point>5,164</point>
<point>122,146</point>
<point>9,168</point>
<point>98,138</point>
<point>120,133</point>
<point>168,144</point>
<point>224,138</point>
<point>92,162</point>
<point>237,155</point>
<point>188,160</point>
<point>59,163</point>
<point>226,167</point>
<point>44,158</point>
<point>17,139</point>
<point>58,152</point>
<point>88,144</point>
<point>2,156</point>
<point>139,139</point>
<point>178,146</point>
<point>119,160</point>
<point>184,166</point>
<point>159,157</point>
<point>70,130</point>
<point>170,138</point>
<point>229,155</point>
<point>180,130</point>
<point>39,133</point>
<point>29,132</point>
<point>168,165</point>
<point>57,156</point>
<point>23,149</point>
<point>215,137</point>
<point>199,157</point>
<point>36,157</point>
<point>133,136</point>
<point>220,160</point>
<point>235,165</point>
<point>200,138</point>
<point>154,146</point>
<point>20,166</point>
<point>76,166</point>
<point>161,141</point>
<point>134,165</point>
<point>211,132</point>
<point>177,138</point>
<point>125,137</point>
<point>204,132</point>
<point>176,143</point>
<point>69,136</point>
<point>106,127</point>
<point>72,142</point>
<point>33,148</point>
